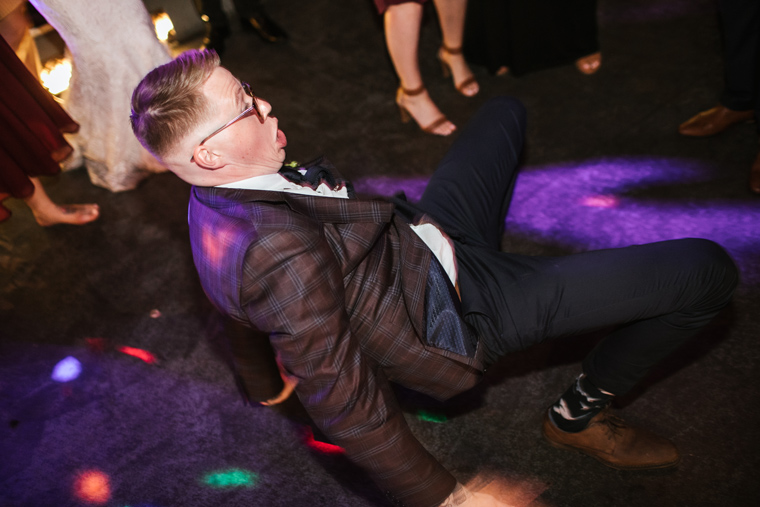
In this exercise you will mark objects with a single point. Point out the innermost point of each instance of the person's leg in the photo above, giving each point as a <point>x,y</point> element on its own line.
<point>14,26</point>
<point>658,295</point>
<point>402,35</point>
<point>254,17</point>
<point>217,25</point>
<point>451,14</point>
<point>740,20</point>
<point>682,285</point>
<point>47,213</point>
<point>470,191</point>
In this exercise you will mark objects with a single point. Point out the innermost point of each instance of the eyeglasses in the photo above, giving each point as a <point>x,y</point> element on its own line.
<point>254,108</point>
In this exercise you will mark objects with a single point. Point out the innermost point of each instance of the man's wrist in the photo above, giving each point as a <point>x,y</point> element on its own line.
<point>457,497</point>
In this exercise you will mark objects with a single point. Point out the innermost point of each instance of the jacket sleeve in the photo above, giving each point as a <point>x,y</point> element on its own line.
<point>293,286</point>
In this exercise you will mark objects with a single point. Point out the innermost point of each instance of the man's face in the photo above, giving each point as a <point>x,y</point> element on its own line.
<point>250,141</point>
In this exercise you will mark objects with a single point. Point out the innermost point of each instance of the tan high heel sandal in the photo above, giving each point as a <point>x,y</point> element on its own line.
<point>447,72</point>
<point>406,116</point>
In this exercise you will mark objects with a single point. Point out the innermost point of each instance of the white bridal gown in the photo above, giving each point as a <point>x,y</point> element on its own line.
<point>113,45</point>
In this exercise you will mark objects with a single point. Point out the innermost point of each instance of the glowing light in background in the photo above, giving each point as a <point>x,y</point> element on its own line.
<point>424,415</point>
<point>56,75</point>
<point>230,478</point>
<point>163,25</point>
<point>138,353</point>
<point>67,369</point>
<point>92,486</point>
<point>322,447</point>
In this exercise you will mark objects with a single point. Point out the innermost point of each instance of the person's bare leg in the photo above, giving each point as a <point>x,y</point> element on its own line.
<point>47,213</point>
<point>14,25</point>
<point>451,15</point>
<point>402,35</point>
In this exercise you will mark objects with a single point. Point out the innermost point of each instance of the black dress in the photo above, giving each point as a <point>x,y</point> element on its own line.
<point>529,35</point>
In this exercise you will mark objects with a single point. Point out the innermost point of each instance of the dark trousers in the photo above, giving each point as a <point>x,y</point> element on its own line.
<point>740,20</point>
<point>216,15</point>
<point>658,295</point>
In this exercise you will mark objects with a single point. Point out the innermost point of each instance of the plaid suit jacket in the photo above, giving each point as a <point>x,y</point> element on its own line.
<point>339,286</point>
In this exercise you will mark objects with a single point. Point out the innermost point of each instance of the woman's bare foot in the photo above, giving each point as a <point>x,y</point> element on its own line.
<point>75,214</point>
<point>589,64</point>
<point>418,105</point>
<point>464,80</point>
<point>48,213</point>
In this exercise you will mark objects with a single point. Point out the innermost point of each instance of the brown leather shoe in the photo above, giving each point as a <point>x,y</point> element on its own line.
<point>713,121</point>
<point>609,440</point>
<point>754,175</point>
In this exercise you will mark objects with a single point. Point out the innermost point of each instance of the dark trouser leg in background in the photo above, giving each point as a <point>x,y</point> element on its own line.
<point>216,23</point>
<point>741,36</point>
<point>253,17</point>
<point>740,20</point>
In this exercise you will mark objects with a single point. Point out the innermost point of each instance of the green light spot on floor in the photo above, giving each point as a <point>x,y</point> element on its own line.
<point>231,478</point>
<point>424,415</point>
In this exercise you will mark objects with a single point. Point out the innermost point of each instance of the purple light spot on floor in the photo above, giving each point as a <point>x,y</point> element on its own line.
<point>386,185</point>
<point>67,369</point>
<point>550,204</point>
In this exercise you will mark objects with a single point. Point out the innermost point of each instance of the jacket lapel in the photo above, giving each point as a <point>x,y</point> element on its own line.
<point>324,209</point>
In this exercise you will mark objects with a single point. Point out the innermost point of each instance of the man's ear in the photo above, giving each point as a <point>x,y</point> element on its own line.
<point>206,158</point>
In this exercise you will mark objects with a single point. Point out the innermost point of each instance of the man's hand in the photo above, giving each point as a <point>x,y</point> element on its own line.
<point>289,383</point>
<point>484,500</point>
<point>287,390</point>
<point>463,497</point>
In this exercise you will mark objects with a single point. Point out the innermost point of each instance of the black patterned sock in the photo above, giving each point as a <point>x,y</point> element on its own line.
<point>580,403</point>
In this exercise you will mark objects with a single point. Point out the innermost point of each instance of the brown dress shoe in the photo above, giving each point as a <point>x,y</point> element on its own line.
<point>713,121</point>
<point>608,439</point>
<point>754,175</point>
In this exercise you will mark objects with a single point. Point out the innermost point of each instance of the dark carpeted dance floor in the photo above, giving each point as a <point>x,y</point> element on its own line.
<point>604,167</point>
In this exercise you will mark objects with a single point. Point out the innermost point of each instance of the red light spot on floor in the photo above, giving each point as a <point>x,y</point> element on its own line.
<point>138,353</point>
<point>92,486</point>
<point>322,447</point>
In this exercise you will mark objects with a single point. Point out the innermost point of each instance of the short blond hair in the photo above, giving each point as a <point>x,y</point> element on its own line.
<point>169,102</point>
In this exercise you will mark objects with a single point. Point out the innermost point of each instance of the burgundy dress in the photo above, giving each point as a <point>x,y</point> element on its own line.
<point>382,5</point>
<point>31,122</point>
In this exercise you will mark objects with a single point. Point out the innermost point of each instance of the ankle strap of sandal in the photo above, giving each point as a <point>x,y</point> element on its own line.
<point>451,51</point>
<point>412,93</point>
